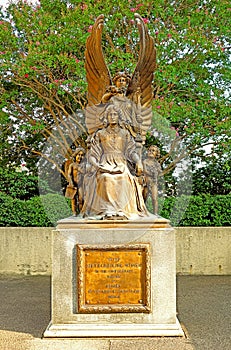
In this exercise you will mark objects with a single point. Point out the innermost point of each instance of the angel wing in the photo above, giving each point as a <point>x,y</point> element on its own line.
<point>141,81</point>
<point>143,74</point>
<point>97,73</point>
<point>94,117</point>
<point>139,91</point>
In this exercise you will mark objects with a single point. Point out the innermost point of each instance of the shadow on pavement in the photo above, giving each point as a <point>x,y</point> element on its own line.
<point>25,304</point>
<point>203,303</point>
<point>204,306</point>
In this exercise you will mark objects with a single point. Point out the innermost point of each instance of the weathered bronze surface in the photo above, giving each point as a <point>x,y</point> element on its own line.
<point>118,115</point>
<point>113,278</point>
<point>97,225</point>
<point>75,173</point>
<point>152,170</point>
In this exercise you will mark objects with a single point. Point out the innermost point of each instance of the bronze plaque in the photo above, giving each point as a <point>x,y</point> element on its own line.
<point>113,278</point>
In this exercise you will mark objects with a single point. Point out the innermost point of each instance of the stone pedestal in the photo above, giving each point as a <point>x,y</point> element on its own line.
<point>113,279</point>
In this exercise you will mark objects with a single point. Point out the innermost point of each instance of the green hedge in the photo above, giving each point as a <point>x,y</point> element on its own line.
<point>46,210</point>
<point>202,210</point>
<point>19,185</point>
<point>43,211</point>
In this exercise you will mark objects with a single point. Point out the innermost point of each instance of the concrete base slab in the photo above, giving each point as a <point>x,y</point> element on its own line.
<point>121,330</point>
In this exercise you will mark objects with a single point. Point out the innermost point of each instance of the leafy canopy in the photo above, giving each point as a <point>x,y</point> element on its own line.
<point>43,78</point>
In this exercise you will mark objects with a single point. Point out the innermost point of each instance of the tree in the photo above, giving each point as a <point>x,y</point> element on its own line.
<point>214,177</point>
<point>43,87</point>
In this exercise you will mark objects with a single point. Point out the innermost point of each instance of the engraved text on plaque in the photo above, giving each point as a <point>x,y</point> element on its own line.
<point>113,278</point>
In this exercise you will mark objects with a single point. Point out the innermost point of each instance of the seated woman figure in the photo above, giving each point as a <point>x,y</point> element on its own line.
<point>117,193</point>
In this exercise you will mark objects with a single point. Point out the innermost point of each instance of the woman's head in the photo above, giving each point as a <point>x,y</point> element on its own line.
<point>121,79</point>
<point>112,115</point>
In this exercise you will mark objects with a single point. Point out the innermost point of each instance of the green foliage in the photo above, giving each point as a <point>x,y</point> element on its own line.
<point>20,185</point>
<point>214,177</point>
<point>55,206</point>
<point>45,211</point>
<point>203,210</point>
<point>43,85</point>
<point>43,78</point>
<point>16,212</point>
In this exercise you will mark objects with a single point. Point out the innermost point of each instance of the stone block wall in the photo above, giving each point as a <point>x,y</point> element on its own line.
<point>199,250</point>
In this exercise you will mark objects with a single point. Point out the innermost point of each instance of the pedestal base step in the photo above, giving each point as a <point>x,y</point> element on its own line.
<point>113,330</point>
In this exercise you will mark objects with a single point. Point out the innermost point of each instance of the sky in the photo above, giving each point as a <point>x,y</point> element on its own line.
<point>3,2</point>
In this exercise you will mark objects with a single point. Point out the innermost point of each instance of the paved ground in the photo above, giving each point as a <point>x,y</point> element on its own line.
<point>203,302</point>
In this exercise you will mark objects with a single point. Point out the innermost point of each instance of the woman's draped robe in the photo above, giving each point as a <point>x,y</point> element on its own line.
<point>113,191</point>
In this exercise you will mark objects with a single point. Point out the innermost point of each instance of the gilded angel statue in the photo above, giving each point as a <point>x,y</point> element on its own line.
<point>133,94</point>
<point>118,116</point>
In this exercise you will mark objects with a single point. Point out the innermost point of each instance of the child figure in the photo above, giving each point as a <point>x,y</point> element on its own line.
<point>76,173</point>
<point>152,170</point>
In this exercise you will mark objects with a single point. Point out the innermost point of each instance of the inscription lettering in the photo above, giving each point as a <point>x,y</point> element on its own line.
<point>113,278</point>
<point>98,291</point>
<point>114,275</point>
<point>89,266</point>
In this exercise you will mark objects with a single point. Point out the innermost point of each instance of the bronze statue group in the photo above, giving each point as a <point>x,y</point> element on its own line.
<point>113,178</point>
